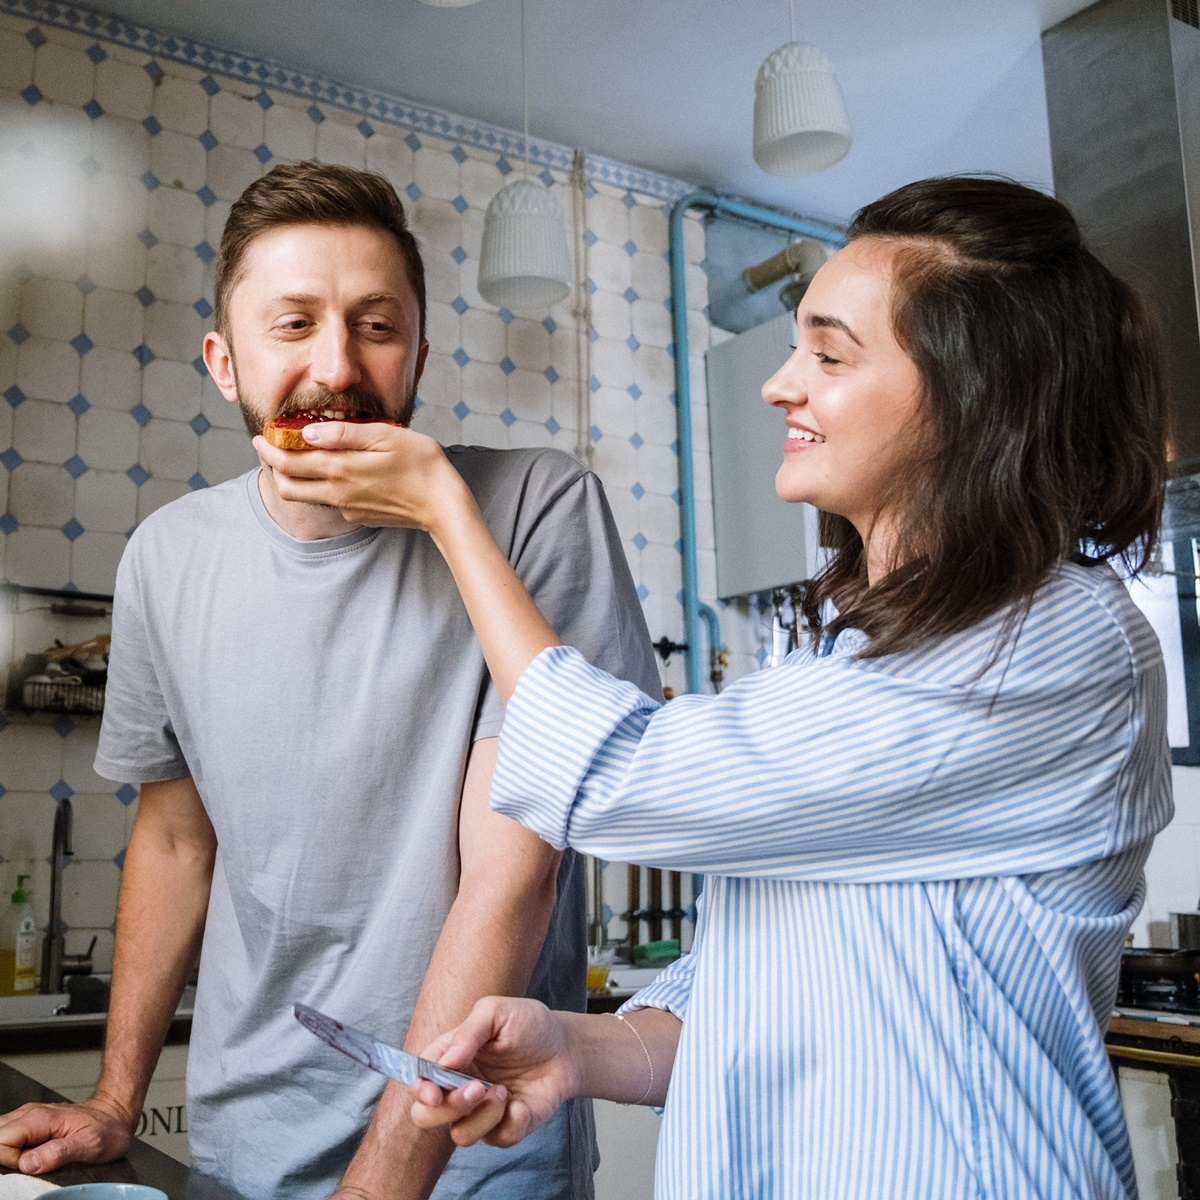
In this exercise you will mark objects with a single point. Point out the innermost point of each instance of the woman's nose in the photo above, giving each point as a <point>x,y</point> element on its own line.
<point>787,385</point>
<point>334,363</point>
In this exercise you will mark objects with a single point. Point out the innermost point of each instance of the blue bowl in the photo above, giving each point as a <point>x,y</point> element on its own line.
<point>105,1191</point>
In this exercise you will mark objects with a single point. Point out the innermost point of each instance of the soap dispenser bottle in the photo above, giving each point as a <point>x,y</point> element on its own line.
<point>18,945</point>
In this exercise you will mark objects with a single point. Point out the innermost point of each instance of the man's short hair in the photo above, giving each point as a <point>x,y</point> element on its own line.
<point>310,193</point>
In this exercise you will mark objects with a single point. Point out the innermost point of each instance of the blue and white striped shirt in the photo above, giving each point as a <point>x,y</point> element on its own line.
<point>919,883</point>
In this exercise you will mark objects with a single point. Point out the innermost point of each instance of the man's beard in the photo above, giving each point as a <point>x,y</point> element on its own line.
<point>355,402</point>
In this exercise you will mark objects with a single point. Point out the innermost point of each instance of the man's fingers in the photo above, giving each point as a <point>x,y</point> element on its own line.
<point>342,435</point>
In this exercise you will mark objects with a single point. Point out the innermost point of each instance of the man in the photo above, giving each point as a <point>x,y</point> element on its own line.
<point>309,716</point>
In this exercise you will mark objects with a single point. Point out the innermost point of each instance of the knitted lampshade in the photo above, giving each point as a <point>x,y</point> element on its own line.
<point>800,122</point>
<point>524,263</point>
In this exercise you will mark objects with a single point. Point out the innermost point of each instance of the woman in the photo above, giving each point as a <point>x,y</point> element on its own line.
<point>924,834</point>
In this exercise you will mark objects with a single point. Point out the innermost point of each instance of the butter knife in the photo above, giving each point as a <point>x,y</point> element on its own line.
<point>379,1056</point>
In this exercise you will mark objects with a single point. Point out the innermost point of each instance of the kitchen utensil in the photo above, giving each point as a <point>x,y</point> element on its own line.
<point>1185,930</point>
<point>379,1056</point>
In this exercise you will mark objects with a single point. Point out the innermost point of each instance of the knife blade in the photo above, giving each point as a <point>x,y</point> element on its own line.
<point>379,1056</point>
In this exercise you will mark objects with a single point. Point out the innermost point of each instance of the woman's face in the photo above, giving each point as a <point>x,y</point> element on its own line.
<point>849,394</point>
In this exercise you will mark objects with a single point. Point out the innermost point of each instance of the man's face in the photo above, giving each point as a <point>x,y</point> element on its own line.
<point>323,317</point>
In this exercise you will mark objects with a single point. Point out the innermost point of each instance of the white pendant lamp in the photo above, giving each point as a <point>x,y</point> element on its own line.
<point>800,121</point>
<point>524,263</point>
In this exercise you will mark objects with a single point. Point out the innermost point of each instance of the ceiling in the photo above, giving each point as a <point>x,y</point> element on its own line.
<point>932,86</point>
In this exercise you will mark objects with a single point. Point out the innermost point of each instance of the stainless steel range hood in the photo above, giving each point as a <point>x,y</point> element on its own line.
<point>1123,94</point>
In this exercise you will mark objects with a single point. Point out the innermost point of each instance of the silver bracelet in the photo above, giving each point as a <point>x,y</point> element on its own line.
<point>649,1061</point>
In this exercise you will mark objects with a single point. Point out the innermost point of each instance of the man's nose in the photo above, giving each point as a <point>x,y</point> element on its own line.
<point>335,362</point>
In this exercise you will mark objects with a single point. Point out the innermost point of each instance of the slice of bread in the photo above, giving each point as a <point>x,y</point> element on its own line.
<point>285,438</point>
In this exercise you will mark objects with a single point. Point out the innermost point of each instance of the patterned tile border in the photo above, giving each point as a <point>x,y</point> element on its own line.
<point>393,110</point>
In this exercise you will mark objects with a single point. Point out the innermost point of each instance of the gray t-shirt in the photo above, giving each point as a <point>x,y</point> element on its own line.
<point>324,696</point>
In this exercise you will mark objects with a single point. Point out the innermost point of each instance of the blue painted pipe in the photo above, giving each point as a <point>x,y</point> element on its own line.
<point>693,610</point>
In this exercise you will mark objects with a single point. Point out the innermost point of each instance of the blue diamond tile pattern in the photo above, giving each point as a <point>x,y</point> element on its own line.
<point>14,396</point>
<point>675,447</point>
<point>640,540</point>
<point>150,181</point>
<point>628,200</point>
<point>461,410</point>
<point>145,296</point>
<point>366,128</point>
<point>207,196</point>
<point>590,238</point>
<point>503,165</point>
<point>154,71</point>
<point>418,403</point>
<point>63,726</point>
<point>147,239</point>
<point>141,414</point>
<point>677,496</point>
<point>138,474</point>
<point>631,248</point>
<point>506,315</point>
<point>638,491</point>
<point>507,417</point>
<point>75,466</point>
<point>315,114</point>
<point>546,178</point>
<point>199,367</point>
<point>18,334</point>
<point>459,305</point>
<point>549,324</point>
<point>11,459</point>
<point>62,790</point>
<point>594,384</point>
<point>205,253</point>
<point>81,344</point>
<point>144,354</point>
<point>8,524</point>
<point>552,426</point>
<point>262,154</point>
<point>200,424</point>
<point>507,365</point>
<point>36,38</point>
<point>413,142</point>
<point>85,285</point>
<point>633,343</point>
<point>153,126</point>
<point>413,192</point>
<point>459,255</point>
<point>127,794</point>
<point>31,94</point>
<point>459,155</point>
<point>591,287</point>
<point>72,529</point>
<point>78,404</point>
<point>551,374</point>
<point>461,357</point>
<point>596,433</point>
<point>203,307</point>
<point>637,441</point>
<point>264,101</point>
<point>119,859</point>
<point>643,592</point>
<point>210,85</point>
<point>93,110</point>
<point>460,205</point>
<point>635,391</point>
<point>630,294</point>
<point>208,140</point>
<point>197,482</point>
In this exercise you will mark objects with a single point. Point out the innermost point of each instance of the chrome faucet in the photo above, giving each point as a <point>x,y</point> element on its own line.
<point>52,947</point>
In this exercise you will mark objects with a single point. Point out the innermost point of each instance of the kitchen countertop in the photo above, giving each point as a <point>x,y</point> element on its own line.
<point>142,1164</point>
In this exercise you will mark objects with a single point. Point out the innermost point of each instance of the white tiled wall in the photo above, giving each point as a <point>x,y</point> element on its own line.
<point>118,168</point>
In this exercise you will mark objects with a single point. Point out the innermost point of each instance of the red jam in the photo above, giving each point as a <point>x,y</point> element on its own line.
<point>298,420</point>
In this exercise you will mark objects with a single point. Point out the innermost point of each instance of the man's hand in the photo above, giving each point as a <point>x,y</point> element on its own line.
<point>37,1138</point>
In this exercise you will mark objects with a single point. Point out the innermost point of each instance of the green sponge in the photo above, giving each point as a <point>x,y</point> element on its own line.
<point>652,954</point>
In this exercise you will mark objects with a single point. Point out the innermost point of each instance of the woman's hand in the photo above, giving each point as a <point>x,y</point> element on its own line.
<point>518,1045</point>
<point>376,474</point>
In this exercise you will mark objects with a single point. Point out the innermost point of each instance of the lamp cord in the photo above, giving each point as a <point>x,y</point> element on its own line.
<point>525,89</point>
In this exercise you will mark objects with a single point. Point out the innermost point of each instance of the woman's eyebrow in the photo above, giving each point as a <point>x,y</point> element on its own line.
<point>821,321</point>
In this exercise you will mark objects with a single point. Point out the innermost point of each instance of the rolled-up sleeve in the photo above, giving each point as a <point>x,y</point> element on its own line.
<point>838,770</point>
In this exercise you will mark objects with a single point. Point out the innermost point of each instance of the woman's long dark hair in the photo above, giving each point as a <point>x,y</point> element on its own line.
<point>1043,419</point>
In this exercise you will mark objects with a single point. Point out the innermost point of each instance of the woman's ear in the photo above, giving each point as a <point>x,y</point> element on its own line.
<point>218,358</point>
